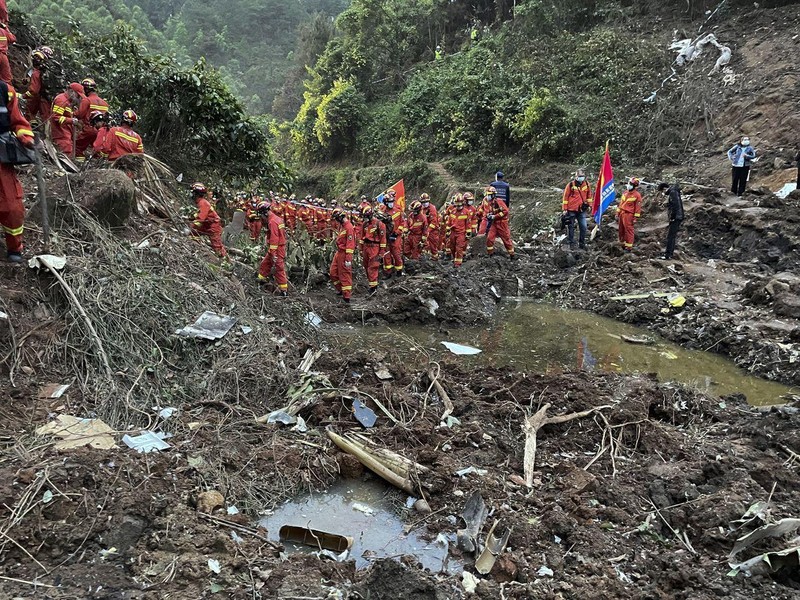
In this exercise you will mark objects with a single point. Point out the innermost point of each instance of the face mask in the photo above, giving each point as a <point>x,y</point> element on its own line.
<point>629,187</point>
<point>580,179</point>
<point>469,202</point>
<point>390,204</point>
<point>746,142</point>
<point>426,204</point>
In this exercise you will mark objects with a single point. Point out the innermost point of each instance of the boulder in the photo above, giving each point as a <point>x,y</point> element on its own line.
<point>107,194</point>
<point>563,259</point>
<point>787,305</point>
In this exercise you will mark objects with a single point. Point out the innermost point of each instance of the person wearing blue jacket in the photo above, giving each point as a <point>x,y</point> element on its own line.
<point>503,188</point>
<point>741,156</point>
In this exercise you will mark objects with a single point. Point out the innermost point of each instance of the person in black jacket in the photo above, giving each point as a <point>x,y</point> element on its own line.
<point>674,213</point>
<point>503,188</point>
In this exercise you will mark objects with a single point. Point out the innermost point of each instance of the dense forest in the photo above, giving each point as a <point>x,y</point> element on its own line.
<point>252,42</point>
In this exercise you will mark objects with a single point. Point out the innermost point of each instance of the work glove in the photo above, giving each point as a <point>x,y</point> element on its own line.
<point>348,264</point>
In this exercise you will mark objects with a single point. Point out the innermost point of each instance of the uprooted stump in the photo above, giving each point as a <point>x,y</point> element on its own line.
<point>107,194</point>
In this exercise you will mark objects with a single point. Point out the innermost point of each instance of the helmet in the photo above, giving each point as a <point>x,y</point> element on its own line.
<point>425,198</point>
<point>458,200</point>
<point>392,193</point>
<point>129,117</point>
<point>334,202</point>
<point>634,181</point>
<point>47,51</point>
<point>416,206</point>
<point>38,56</point>
<point>366,212</point>
<point>199,189</point>
<point>262,206</point>
<point>388,198</point>
<point>469,196</point>
<point>364,199</point>
<point>338,214</point>
<point>96,115</point>
<point>491,191</point>
<point>89,84</point>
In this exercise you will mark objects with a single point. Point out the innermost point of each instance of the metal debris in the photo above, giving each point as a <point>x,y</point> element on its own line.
<point>209,326</point>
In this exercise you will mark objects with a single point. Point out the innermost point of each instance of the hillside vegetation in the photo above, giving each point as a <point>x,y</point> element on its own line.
<point>251,42</point>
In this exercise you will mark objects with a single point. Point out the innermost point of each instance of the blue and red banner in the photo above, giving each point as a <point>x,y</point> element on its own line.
<point>399,194</point>
<point>604,193</point>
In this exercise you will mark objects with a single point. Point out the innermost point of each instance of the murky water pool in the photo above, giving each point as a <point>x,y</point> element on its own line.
<point>541,338</point>
<point>367,511</point>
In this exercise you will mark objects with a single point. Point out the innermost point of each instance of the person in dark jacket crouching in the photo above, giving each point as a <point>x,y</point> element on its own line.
<point>674,213</point>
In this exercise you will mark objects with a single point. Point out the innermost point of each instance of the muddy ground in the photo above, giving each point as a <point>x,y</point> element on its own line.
<point>652,516</point>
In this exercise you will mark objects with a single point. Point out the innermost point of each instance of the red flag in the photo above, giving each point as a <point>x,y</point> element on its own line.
<point>604,193</point>
<point>400,194</point>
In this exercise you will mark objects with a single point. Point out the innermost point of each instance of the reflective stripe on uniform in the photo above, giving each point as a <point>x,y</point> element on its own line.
<point>13,231</point>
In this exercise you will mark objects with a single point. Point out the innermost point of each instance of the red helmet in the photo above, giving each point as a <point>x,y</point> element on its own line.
<point>129,117</point>
<point>469,196</point>
<point>458,200</point>
<point>89,84</point>
<point>263,206</point>
<point>96,115</point>
<point>47,51</point>
<point>338,214</point>
<point>425,198</point>
<point>491,191</point>
<point>199,189</point>
<point>416,206</point>
<point>634,181</point>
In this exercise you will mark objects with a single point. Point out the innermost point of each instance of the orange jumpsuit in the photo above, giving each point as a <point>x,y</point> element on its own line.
<point>457,228</point>
<point>472,211</point>
<point>12,211</point>
<point>254,221</point>
<point>121,141</point>
<point>443,241</point>
<point>341,274</point>
<point>290,215</point>
<point>416,236</point>
<point>373,247</point>
<point>36,102</point>
<point>480,216</point>
<point>499,227</point>
<point>6,39</point>
<point>207,223</point>
<point>393,259</point>
<point>92,102</point>
<point>61,126</point>
<point>275,258</point>
<point>432,215</point>
<point>629,209</point>
<point>3,12</point>
<point>306,217</point>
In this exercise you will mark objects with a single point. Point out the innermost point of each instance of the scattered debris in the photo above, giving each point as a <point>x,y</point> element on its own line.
<point>76,432</point>
<point>383,374</point>
<point>470,470</point>
<point>770,530</point>
<point>317,539</point>
<point>545,571</point>
<point>166,413</point>
<point>313,319</point>
<point>48,261</point>
<point>208,326</point>
<point>422,506</point>
<point>147,441</point>
<point>53,390</point>
<point>469,582</point>
<point>474,515</point>
<point>644,340</point>
<point>493,548</point>
<point>364,414</point>
<point>214,566</point>
<point>460,349</point>
<point>280,416</point>
<point>363,508</point>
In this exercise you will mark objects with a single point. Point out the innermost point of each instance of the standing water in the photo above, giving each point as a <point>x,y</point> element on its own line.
<point>540,338</point>
<point>365,510</point>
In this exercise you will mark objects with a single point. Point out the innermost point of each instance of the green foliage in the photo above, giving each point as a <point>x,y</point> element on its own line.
<point>187,115</point>
<point>339,114</point>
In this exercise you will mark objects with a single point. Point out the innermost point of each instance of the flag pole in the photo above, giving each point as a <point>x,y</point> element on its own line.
<point>596,228</point>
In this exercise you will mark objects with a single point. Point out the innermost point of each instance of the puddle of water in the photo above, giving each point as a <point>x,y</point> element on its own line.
<point>376,535</point>
<point>539,338</point>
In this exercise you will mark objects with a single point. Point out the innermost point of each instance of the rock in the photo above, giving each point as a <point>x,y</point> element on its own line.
<point>208,502</point>
<point>125,534</point>
<point>563,259</point>
<point>350,467</point>
<point>421,506</point>
<point>107,194</point>
<point>775,288</point>
<point>787,305</point>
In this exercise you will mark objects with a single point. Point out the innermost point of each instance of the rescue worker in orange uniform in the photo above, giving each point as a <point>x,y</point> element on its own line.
<point>12,210</point>
<point>481,213</point>
<point>574,204</point>
<point>497,224</point>
<point>99,121</point>
<point>3,12</point>
<point>363,203</point>
<point>373,246</point>
<point>275,258</point>
<point>254,218</point>
<point>430,212</point>
<point>38,97</point>
<point>122,139</point>
<point>628,210</point>
<point>416,232</point>
<point>305,214</point>
<point>457,229</point>
<point>90,103</point>
<point>447,210</point>
<point>62,117</point>
<point>206,221</point>
<point>395,228</point>
<point>290,210</point>
<point>472,211</point>
<point>341,271</point>
<point>6,39</point>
